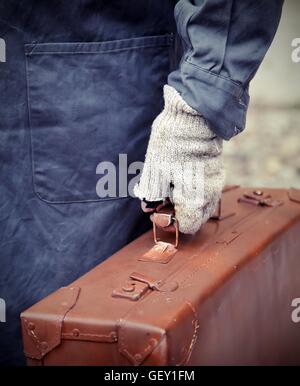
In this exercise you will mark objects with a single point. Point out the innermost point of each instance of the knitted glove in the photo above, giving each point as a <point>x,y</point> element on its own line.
<point>183,162</point>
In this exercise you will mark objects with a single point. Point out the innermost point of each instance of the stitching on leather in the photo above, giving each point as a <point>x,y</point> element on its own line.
<point>58,325</point>
<point>122,335</point>
<point>107,338</point>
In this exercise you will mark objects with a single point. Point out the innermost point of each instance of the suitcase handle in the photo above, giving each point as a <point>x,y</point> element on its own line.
<point>164,218</point>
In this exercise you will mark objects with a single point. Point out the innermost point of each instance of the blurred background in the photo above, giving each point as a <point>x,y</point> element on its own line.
<point>267,153</point>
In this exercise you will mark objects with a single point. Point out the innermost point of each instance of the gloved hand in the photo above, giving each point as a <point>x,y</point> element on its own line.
<point>183,162</point>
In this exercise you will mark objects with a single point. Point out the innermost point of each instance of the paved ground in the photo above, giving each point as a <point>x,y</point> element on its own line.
<point>268,152</point>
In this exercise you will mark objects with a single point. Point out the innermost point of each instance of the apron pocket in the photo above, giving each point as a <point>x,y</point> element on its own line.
<point>88,103</point>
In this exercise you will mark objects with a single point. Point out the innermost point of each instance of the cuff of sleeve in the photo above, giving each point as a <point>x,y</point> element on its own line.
<point>221,101</point>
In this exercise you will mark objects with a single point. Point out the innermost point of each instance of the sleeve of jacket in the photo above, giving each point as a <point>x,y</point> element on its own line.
<point>224,42</point>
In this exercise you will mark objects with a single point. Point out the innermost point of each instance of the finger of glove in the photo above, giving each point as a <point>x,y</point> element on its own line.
<point>154,184</point>
<point>195,202</point>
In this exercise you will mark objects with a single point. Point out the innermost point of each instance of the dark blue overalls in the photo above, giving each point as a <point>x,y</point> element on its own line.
<point>81,84</point>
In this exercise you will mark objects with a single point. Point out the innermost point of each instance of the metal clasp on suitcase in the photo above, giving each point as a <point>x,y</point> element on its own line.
<point>139,283</point>
<point>259,198</point>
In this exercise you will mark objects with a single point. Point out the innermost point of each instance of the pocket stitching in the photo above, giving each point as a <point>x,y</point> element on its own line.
<point>105,46</point>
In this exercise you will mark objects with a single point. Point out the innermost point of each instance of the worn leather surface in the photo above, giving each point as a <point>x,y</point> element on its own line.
<point>42,334</point>
<point>235,281</point>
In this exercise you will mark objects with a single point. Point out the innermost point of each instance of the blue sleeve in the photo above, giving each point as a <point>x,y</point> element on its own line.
<point>224,42</point>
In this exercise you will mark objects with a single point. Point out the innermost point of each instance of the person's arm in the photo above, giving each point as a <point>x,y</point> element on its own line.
<point>224,43</point>
<point>206,100</point>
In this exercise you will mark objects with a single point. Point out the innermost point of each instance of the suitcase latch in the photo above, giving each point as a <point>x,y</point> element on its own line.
<point>139,283</point>
<point>259,198</point>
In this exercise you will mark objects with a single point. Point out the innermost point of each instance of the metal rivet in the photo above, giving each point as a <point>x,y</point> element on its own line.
<point>113,336</point>
<point>138,357</point>
<point>129,287</point>
<point>76,332</point>
<point>44,346</point>
<point>31,326</point>
<point>258,192</point>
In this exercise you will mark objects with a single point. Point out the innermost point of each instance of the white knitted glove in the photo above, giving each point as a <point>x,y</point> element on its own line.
<point>183,162</point>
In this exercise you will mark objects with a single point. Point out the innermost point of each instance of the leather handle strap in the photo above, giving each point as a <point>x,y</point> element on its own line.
<point>164,218</point>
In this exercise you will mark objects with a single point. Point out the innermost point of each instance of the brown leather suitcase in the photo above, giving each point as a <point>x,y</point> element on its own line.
<point>224,297</point>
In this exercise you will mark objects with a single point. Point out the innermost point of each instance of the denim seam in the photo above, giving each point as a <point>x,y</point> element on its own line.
<point>145,41</point>
<point>103,42</point>
<point>61,202</point>
<point>96,52</point>
<point>30,129</point>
